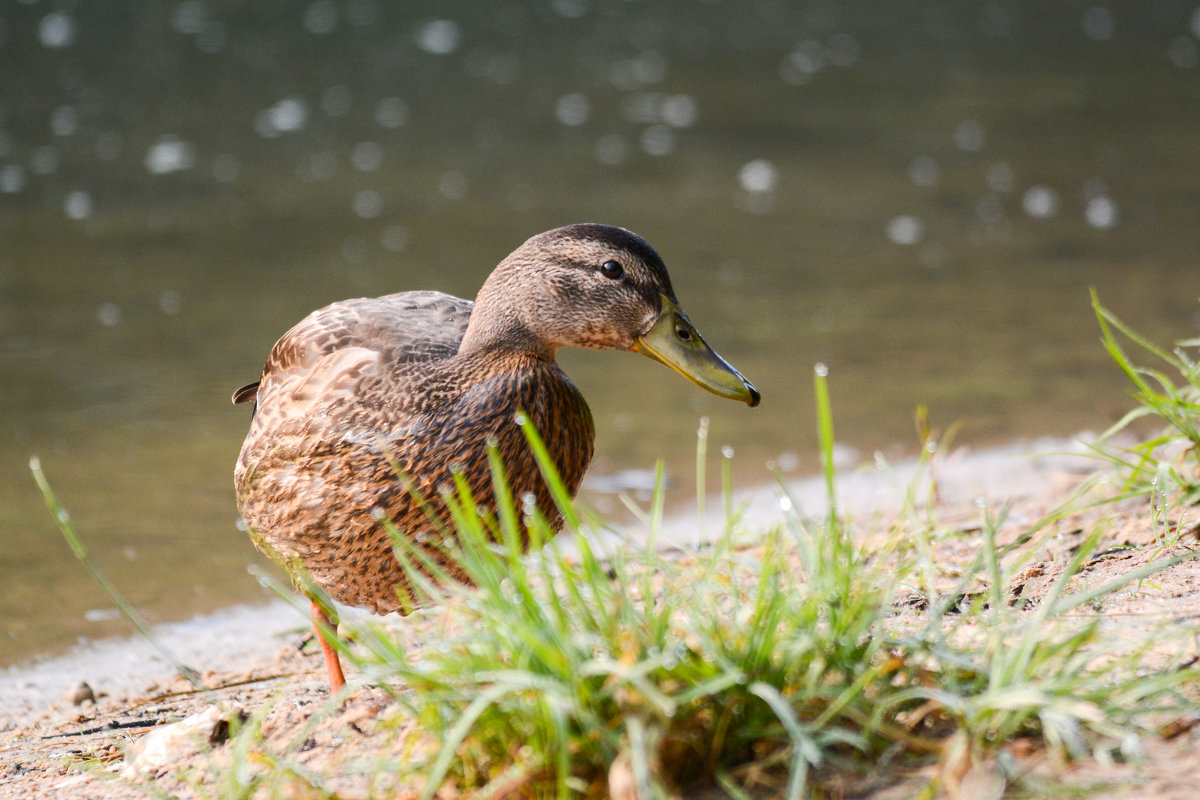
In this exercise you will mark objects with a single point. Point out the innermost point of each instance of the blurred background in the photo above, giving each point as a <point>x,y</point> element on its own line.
<point>918,195</point>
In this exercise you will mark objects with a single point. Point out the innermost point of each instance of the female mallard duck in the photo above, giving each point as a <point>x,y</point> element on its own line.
<point>422,382</point>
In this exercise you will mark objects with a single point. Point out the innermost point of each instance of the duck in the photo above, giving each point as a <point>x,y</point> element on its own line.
<point>369,403</point>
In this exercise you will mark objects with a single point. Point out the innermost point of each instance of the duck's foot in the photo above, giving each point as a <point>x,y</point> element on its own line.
<point>326,630</point>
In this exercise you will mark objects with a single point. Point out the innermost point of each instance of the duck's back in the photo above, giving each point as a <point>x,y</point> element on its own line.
<point>393,329</point>
<point>406,326</point>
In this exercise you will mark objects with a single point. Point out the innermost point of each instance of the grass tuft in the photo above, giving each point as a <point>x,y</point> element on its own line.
<point>772,667</point>
<point>1166,464</point>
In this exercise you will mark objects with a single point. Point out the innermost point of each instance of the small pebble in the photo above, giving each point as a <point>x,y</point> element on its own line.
<point>81,693</point>
<point>622,783</point>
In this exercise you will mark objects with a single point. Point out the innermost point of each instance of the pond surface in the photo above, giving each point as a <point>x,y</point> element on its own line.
<point>918,195</point>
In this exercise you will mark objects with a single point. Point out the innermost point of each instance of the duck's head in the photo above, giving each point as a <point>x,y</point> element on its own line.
<point>601,287</point>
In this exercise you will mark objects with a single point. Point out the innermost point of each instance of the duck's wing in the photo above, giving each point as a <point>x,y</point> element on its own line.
<point>334,345</point>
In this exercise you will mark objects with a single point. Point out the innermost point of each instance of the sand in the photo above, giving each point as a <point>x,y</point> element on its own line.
<point>249,656</point>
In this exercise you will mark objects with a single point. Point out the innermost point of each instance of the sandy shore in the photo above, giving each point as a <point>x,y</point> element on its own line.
<point>245,637</point>
<point>249,659</point>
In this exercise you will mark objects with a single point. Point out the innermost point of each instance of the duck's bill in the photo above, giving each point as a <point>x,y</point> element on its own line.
<point>674,341</point>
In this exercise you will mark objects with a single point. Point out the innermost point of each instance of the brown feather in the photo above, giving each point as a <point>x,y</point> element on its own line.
<point>246,393</point>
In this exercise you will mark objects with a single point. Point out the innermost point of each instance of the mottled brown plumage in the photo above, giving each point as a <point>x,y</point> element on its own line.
<point>423,382</point>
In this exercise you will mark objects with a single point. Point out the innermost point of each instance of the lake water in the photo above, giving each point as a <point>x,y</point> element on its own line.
<point>918,195</point>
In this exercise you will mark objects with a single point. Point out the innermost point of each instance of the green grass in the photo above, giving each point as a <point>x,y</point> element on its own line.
<point>1167,463</point>
<point>781,669</point>
<point>775,669</point>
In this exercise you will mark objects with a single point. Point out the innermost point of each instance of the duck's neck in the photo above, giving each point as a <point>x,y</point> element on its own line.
<point>497,325</point>
<point>492,332</point>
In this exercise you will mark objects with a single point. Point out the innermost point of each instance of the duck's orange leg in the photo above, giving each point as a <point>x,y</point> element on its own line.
<point>324,628</point>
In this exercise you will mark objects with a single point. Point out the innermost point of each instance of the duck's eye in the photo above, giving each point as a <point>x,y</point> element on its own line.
<point>612,269</point>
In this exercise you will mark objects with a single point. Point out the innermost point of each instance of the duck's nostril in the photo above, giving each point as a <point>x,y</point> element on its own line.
<point>683,332</point>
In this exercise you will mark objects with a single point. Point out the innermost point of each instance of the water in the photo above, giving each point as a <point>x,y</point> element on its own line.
<point>916,195</point>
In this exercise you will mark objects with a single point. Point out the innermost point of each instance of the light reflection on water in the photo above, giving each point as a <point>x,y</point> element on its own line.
<point>916,196</point>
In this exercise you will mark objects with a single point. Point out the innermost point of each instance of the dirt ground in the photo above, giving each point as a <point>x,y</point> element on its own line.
<point>85,747</point>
